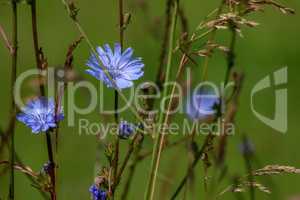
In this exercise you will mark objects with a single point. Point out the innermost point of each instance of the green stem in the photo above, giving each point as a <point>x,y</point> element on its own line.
<point>36,44</point>
<point>121,22</point>
<point>191,167</point>
<point>13,105</point>
<point>162,57</point>
<point>126,159</point>
<point>230,57</point>
<point>117,143</point>
<point>52,165</point>
<point>132,167</point>
<point>42,93</point>
<point>160,140</point>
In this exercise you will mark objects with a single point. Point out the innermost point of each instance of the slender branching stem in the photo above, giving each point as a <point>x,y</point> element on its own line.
<point>52,165</point>
<point>117,140</point>
<point>36,44</point>
<point>13,105</point>
<point>117,143</point>
<point>149,195</point>
<point>42,93</point>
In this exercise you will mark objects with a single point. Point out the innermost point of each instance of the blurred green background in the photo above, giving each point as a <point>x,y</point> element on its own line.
<point>273,44</point>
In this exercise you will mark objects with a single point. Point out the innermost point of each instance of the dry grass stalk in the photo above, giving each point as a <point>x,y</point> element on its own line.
<point>242,187</point>
<point>276,169</point>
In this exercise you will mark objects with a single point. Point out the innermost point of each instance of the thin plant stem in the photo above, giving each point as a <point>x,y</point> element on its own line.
<point>164,45</point>
<point>42,93</point>
<point>128,181</point>
<point>14,57</point>
<point>121,23</point>
<point>137,159</point>
<point>117,140</point>
<point>223,139</point>
<point>192,166</point>
<point>132,168</point>
<point>230,63</point>
<point>166,120</point>
<point>6,40</point>
<point>231,56</point>
<point>18,161</point>
<point>36,43</point>
<point>149,195</point>
<point>68,65</point>
<point>126,160</point>
<point>140,157</point>
<point>116,106</point>
<point>52,165</point>
<point>180,69</point>
<point>117,143</point>
<point>248,165</point>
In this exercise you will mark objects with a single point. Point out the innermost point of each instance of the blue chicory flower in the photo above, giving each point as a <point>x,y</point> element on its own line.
<point>247,147</point>
<point>47,167</point>
<point>121,67</point>
<point>39,114</point>
<point>202,104</point>
<point>126,129</point>
<point>97,193</point>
